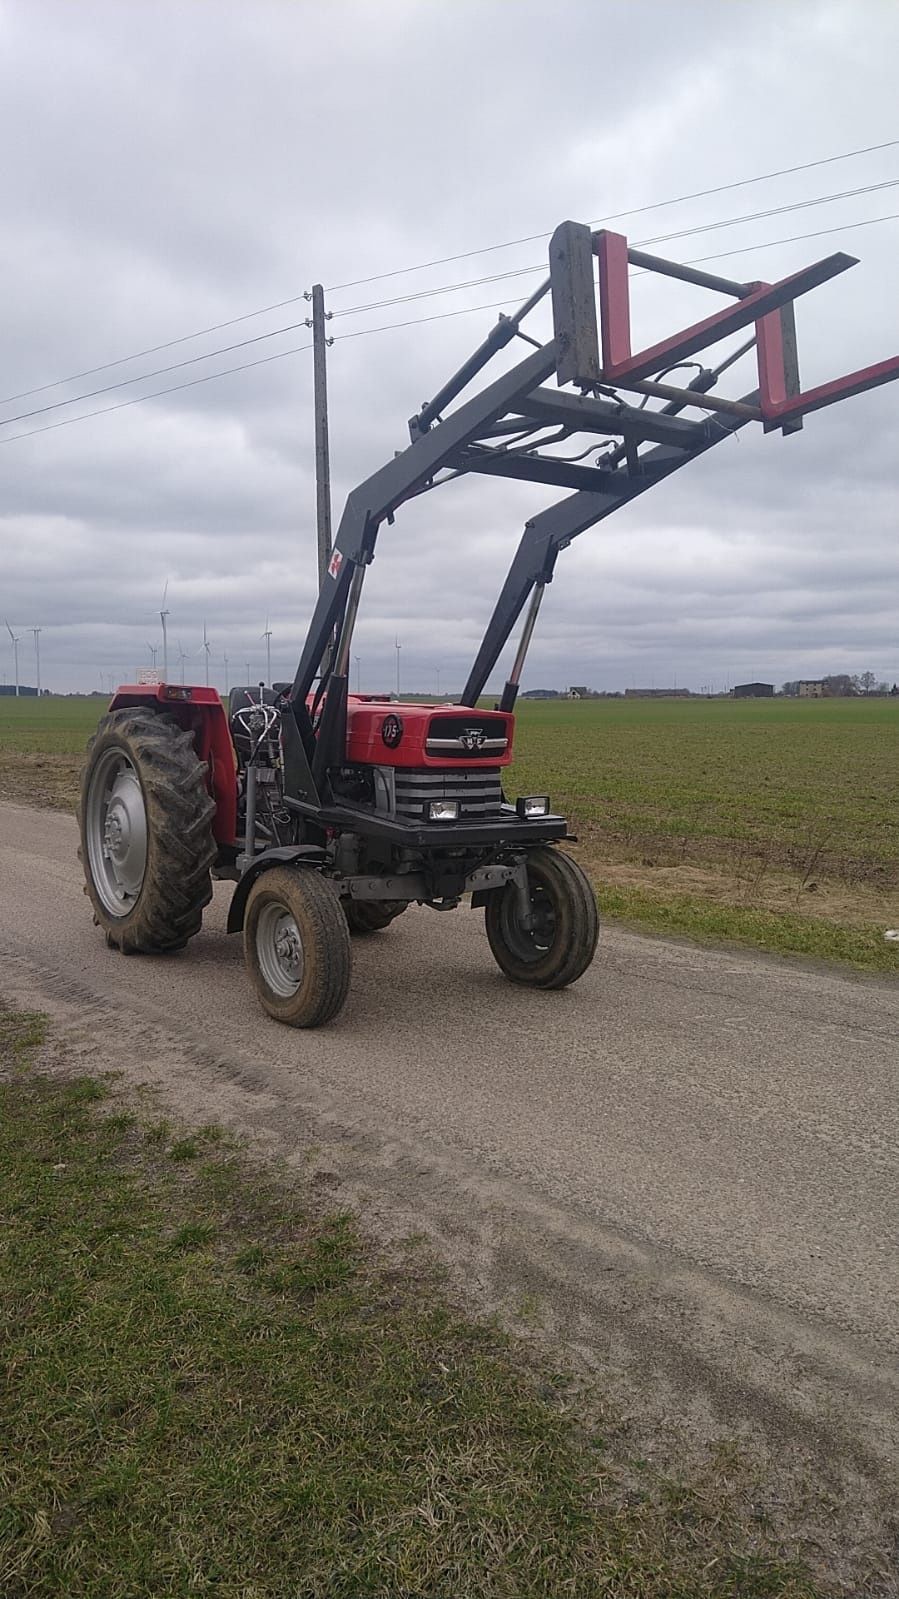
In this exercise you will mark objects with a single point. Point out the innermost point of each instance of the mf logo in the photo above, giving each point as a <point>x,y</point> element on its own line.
<point>472,738</point>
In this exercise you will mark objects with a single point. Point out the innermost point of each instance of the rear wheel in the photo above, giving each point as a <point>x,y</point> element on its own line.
<point>556,944</point>
<point>371,915</point>
<point>297,946</point>
<point>145,819</point>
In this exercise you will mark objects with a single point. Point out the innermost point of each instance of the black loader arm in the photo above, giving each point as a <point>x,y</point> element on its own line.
<point>511,429</point>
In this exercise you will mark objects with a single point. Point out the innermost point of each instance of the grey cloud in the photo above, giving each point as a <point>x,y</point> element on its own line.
<point>169,167</point>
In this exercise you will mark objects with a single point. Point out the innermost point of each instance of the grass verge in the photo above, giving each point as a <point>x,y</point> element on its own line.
<point>213,1388</point>
<point>776,932</point>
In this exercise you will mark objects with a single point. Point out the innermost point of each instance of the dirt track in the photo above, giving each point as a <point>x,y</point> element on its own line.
<point>685,1167</point>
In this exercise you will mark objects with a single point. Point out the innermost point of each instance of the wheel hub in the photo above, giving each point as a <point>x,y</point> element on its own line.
<point>287,946</point>
<point>530,934</point>
<point>280,949</point>
<point>116,832</point>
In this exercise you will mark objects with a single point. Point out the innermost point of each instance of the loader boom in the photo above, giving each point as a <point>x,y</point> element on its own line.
<point>511,427</point>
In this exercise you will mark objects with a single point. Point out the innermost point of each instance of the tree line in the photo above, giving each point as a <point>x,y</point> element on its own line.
<point>842,685</point>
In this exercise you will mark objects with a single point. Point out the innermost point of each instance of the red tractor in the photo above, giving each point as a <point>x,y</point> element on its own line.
<point>333,812</point>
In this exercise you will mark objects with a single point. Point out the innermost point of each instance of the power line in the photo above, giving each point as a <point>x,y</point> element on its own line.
<point>218,327</point>
<point>122,405</point>
<point>659,238</point>
<point>176,366</point>
<point>794,238</point>
<point>437,316</point>
<point>693,260</point>
<point>153,349</point>
<point>640,210</point>
<point>449,288</point>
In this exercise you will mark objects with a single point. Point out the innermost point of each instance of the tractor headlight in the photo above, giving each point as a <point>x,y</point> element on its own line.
<point>533,805</point>
<point>443,811</point>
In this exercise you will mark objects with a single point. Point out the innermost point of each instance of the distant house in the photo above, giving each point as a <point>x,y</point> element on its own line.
<point>811,688</point>
<point>657,693</point>
<point>579,693</point>
<point>754,691</point>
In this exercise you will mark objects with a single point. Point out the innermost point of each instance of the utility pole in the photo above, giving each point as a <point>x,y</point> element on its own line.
<point>37,656</point>
<point>322,452</point>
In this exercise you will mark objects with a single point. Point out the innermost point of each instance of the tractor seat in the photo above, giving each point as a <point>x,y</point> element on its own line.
<point>239,698</point>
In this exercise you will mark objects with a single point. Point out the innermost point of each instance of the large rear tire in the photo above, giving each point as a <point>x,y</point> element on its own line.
<point>145,819</point>
<point>557,949</point>
<point>297,946</point>
<point>372,915</point>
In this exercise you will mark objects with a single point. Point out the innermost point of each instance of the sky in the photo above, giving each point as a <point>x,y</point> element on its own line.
<point>170,167</point>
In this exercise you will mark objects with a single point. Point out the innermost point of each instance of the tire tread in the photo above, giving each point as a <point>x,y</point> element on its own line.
<point>180,844</point>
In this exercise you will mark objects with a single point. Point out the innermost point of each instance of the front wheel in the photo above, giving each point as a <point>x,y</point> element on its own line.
<point>297,946</point>
<point>556,943</point>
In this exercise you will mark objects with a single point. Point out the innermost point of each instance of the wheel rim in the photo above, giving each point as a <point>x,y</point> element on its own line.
<point>279,949</point>
<point>116,829</point>
<point>529,944</point>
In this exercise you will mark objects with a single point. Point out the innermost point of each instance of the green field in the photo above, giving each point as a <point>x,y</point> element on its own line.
<point>770,822</point>
<point>800,782</point>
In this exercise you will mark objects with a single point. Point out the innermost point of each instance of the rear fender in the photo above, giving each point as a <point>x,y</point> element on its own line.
<point>309,856</point>
<point>199,711</point>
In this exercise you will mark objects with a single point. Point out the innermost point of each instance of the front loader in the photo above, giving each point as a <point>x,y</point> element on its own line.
<point>333,812</point>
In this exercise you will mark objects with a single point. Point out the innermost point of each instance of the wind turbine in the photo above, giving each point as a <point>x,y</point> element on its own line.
<point>15,651</point>
<point>182,658</point>
<point>247,678</point>
<point>225,659</point>
<point>437,670</point>
<point>397,646</point>
<point>358,674</point>
<point>206,647</point>
<point>267,635</point>
<point>165,637</point>
<point>37,656</point>
<point>154,651</point>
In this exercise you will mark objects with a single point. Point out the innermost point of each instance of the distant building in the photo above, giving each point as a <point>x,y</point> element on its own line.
<point>811,688</point>
<point>540,694</point>
<point>754,691</point>
<point>578,693</point>
<point>657,693</point>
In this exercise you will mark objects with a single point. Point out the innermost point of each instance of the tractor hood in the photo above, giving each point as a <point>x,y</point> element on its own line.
<point>385,733</point>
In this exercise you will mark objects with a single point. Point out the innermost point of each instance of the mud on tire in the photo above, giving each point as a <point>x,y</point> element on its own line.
<point>152,764</point>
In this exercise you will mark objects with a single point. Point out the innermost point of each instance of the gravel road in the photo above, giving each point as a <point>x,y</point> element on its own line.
<point>686,1165</point>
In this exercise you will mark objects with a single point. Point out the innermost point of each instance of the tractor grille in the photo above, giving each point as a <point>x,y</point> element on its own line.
<point>469,737</point>
<point>479,793</point>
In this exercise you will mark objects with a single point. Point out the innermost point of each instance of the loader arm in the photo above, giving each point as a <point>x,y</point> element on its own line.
<point>511,427</point>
